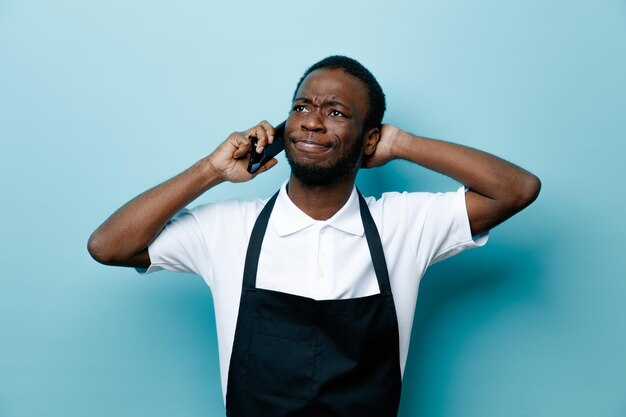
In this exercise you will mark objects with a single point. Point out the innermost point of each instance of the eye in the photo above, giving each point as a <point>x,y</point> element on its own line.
<point>335,113</point>
<point>299,108</point>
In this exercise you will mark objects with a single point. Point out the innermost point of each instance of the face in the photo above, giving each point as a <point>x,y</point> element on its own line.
<point>324,137</point>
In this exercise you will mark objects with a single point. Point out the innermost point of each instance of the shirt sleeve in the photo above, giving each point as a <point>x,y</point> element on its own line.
<point>180,247</point>
<point>445,230</point>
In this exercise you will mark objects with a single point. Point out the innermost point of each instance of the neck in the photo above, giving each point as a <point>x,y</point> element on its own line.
<point>320,202</point>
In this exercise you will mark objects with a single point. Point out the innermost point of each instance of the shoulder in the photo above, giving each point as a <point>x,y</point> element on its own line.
<point>391,202</point>
<point>394,210</point>
<point>227,216</point>
<point>228,208</point>
<point>414,197</point>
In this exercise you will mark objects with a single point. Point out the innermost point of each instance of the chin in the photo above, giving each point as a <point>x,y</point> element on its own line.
<point>320,174</point>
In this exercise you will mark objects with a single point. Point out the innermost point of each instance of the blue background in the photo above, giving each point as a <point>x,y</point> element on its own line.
<point>102,100</point>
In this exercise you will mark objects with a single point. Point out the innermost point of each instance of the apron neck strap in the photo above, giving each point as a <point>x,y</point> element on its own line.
<point>371,235</point>
<point>254,245</point>
<point>375,246</point>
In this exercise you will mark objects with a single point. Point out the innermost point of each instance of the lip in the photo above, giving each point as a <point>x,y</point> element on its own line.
<point>310,147</point>
<point>310,144</point>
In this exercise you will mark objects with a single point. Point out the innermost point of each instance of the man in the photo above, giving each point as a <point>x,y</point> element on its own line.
<point>315,289</point>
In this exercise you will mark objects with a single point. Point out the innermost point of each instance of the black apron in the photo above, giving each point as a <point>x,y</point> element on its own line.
<point>300,357</point>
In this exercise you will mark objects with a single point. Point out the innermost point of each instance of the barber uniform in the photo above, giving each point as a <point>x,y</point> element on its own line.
<point>299,357</point>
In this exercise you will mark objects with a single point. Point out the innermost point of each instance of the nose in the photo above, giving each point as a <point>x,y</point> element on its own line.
<point>313,122</point>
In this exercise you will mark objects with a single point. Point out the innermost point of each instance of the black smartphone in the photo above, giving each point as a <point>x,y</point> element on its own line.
<point>258,159</point>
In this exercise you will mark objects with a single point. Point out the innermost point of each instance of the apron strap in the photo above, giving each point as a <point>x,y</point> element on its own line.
<point>254,245</point>
<point>371,236</point>
<point>375,246</point>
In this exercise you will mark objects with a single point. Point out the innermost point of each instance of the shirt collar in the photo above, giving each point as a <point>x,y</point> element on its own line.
<point>287,218</point>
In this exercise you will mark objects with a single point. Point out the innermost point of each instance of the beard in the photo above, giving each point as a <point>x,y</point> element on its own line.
<point>328,173</point>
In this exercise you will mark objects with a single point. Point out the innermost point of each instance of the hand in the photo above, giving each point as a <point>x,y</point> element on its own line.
<point>230,159</point>
<point>386,147</point>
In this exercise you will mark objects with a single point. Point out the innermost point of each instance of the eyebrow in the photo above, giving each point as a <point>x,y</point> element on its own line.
<point>327,102</point>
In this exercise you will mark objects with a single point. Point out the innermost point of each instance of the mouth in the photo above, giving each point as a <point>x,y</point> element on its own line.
<point>310,144</point>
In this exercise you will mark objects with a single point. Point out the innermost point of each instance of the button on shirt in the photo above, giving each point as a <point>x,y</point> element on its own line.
<point>311,258</point>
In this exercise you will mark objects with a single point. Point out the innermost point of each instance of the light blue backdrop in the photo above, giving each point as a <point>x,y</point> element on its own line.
<point>101,100</point>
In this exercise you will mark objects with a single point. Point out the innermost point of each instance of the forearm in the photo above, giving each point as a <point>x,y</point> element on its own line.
<point>497,189</point>
<point>134,226</point>
<point>124,237</point>
<point>481,172</point>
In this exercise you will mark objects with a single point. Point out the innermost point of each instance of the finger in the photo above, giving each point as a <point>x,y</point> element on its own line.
<point>242,146</point>
<point>269,130</point>
<point>265,135</point>
<point>256,134</point>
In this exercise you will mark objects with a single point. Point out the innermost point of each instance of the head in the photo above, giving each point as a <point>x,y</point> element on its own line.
<point>375,95</point>
<point>334,122</point>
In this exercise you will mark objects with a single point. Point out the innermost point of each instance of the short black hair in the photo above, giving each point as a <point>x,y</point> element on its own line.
<point>353,67</point>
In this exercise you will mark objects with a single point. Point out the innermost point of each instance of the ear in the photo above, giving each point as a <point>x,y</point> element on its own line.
<point>371,141</point>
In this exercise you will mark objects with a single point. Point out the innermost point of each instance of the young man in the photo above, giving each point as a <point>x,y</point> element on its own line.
<point>315,288</point>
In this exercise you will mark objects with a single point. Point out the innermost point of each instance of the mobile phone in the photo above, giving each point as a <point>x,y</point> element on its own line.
<point>258,159</point>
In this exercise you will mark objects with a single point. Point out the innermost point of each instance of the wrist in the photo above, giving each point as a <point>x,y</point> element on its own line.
<point>209,173</point>
<point>403,142</point>
<point>414,148</point>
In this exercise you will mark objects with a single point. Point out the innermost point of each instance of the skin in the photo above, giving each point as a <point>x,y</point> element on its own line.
<point>325,121</point>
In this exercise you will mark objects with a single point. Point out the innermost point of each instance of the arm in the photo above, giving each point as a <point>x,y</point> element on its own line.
<point>124,237</point>
<point>497,189</point>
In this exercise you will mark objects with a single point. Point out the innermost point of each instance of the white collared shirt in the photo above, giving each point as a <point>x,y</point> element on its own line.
<point>311,258</point>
